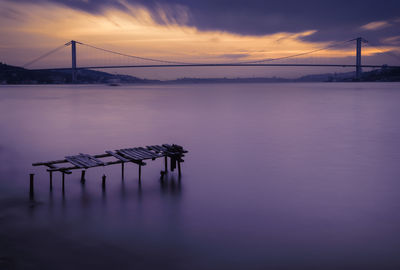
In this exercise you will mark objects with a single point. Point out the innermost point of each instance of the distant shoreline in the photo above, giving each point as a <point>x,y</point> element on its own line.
<point>11,75</point>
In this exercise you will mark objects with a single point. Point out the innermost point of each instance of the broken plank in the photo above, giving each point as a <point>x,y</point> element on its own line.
<point>98,161</point>
<point>119,157</point>
<point>129,155</point>
<point>76,163</point>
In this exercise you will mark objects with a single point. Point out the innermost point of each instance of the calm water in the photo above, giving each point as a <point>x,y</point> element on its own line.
<point>279,176</point>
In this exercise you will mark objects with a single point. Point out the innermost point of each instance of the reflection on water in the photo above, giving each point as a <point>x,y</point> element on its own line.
<point>278,176</point>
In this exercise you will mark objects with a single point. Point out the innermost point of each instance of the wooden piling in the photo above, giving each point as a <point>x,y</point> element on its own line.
<point>63,181</point>
<point>83,177</point>
<point>103,184</point>
<point>179,169</point>
<point>166,164</point>
<point>122,170</point>
<point>51,180</point>
<point>140,172</point>
<point>31,188</point>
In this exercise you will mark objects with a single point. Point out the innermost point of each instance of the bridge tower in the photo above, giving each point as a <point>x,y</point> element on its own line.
<point>73,54</point>
<point>358,58</point>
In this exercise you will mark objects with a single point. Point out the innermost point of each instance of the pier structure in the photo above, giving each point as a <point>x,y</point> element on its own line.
<point>135,155</point>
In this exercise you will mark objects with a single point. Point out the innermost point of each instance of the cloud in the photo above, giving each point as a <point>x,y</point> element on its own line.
<point>395,40</point>
<point>258,17</point>
<point>375,25</point>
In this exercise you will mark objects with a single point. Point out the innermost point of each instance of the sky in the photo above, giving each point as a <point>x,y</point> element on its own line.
<point>206,31</point>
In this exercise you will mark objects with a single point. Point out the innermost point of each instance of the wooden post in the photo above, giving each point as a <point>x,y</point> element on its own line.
<point>103,184</point>
<point>51,180</point>
<point>83,177</point>
<point>63,180</point>
<point>172,161</point>
<point>31,191</point>
<point>140,172</point>
<point>179,168</point>
<point>122,168</point>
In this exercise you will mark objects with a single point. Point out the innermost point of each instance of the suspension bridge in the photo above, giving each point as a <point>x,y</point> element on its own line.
<point>143,62</point>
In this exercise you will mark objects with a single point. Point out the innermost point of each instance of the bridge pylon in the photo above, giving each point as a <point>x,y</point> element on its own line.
<point>359,42</point>
<point>73,55</point>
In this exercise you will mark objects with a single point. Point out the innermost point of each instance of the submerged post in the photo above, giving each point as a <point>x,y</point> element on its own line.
<point>63,180</point>
<point>103,182</point>
<point>358,58</point>
<point>140,172</point>
<point>31,191</point>
<point>51,180</point>
<point>83,177</point>
<point>122,170</point>
<point>73,54</point>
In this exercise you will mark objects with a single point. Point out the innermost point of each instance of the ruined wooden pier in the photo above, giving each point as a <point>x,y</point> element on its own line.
<point>135,155</point>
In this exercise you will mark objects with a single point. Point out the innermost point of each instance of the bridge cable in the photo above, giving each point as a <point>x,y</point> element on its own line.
<point>243,62</point>
<point>136,57</point>
<point>296,55</point>
<point>45,55</point>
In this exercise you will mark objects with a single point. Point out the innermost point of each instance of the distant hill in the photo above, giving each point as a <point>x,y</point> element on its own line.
<point>17,75</point>
<point>377,75</point>
<point>382,75</point>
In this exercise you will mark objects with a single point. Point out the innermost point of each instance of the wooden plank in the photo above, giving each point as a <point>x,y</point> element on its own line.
<point>66,169</point>
<point>140,153</point>
<point>134,152</point>
<point>92,158</point>
<point>129,155</point>
<point>102,155</point>
<point>152,148</point>
<point>46,163</point>
<point>119,157</point>
<point>152,154</point>
<point>76,163</point>
<point>176,149</point>
<point>162,148</point>
<point>51,166</point>
<point>82,161</point>
<point>137,153</point>
<point>146,155</point>
<point>158,148</point>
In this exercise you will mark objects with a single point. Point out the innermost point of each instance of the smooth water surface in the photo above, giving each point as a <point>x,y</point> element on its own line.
<point>278,176</point>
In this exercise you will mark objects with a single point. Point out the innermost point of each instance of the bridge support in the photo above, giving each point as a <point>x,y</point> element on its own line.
<point>73,54</point>
<point>358,58</point>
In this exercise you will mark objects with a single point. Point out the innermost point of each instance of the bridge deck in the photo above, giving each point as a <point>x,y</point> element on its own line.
<point>221,65</point>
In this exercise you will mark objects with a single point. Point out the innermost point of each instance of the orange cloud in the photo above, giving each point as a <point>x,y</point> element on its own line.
<point>375,25</point>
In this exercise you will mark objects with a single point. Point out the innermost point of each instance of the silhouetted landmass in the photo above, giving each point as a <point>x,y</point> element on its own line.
<point>17,75</point>
<point>379,75</point>
<point>384,75</point>
<point>230,80</point>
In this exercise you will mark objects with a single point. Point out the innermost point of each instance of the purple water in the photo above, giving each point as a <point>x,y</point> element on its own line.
<point>278,176</point>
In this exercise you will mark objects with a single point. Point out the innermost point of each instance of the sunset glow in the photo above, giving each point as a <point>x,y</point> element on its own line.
<point>32,30</point>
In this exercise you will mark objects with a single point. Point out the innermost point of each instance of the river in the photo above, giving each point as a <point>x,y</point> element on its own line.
<point>278,176</point>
